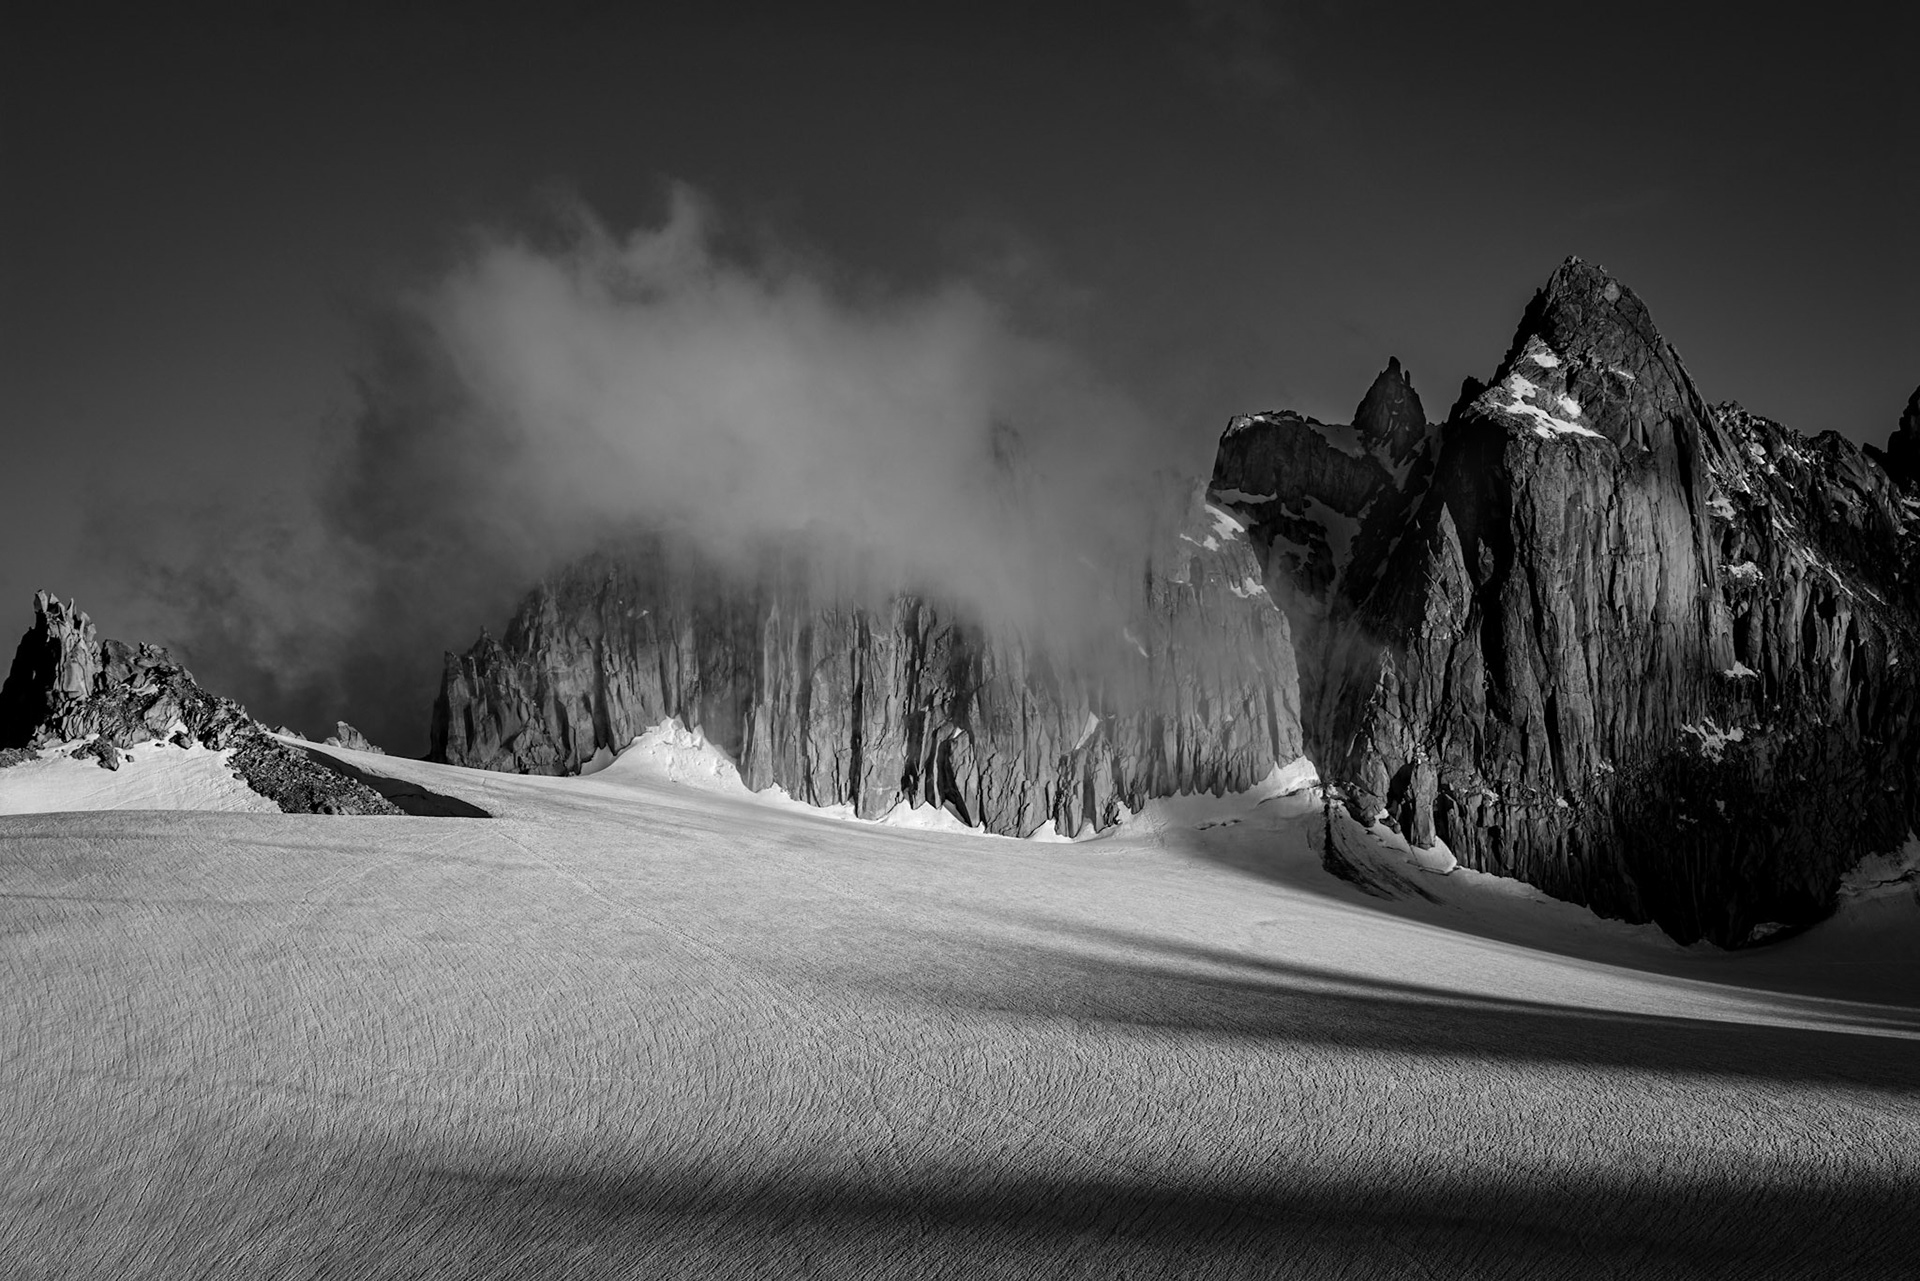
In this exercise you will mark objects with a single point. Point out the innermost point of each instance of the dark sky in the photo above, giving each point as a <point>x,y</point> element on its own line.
<point>1229,205</point>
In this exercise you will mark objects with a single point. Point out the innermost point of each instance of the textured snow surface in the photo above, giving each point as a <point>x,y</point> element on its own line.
<point>635,1028</point>
<point>1379,844</point>
<point>671,753</point>
<point>152,776</point>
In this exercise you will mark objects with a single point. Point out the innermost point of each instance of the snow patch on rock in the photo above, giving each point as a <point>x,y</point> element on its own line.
<point>1247,588</point>
<point>1542,355</point>
<point>1517,401</point>
<point>1713,739</point>
<point>1341,529</point>
<point>1087,731</point>
<point>1226,525</point>
<point>1889,875</point>
<point>1344,437</point>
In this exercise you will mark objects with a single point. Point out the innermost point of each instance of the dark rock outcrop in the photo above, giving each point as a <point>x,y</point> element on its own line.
<point>1901,457</point>
<point>1650,656</point>
<point>1390,420</point>
<point>819,685</point>
<point>1320,501</point>
<point>67,684</point>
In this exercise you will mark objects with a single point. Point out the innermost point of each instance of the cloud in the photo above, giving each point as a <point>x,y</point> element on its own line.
<point>556,391</point>
<point>578,388</point>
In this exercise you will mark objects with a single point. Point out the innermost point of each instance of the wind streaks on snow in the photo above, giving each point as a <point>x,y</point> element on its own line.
<point>636,1027</point>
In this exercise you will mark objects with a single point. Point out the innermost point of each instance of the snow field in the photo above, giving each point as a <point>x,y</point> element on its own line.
<point>638,1027</point>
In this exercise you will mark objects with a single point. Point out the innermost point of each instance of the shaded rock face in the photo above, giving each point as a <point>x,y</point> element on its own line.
<point>1901,457</point>
<point>67,684</point>
<point>1650,656</point>
<point>1390,419</point>
<point>838,695</point>
<point>1320,501</point>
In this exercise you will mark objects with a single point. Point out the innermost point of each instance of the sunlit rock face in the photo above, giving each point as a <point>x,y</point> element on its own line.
<point>836,693</point>
<point>1661,657</point>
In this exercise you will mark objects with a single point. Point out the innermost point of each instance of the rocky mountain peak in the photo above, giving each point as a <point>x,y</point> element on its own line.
<point>69,690</point>
<point>1643,655</point>
<point>1902,458</point>
<point>1588,362</point>
<point>1390,418</point>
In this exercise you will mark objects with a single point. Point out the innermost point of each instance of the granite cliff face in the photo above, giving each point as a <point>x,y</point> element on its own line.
<point>1318,499</point>
<point>1652,656</point>
<point>67,685</point>
<point>836,693</point>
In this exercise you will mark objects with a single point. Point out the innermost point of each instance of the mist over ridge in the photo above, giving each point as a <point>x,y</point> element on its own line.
<point>650,378</point>
<point>563,391</point>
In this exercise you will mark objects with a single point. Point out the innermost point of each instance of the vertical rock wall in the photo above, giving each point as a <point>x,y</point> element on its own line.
<point>838,694</point>
<point>1658,658</point>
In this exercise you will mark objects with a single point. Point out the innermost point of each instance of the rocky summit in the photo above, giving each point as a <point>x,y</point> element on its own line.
<point>67,687</point>
<point>815,684</point>
<point>1650,655</point>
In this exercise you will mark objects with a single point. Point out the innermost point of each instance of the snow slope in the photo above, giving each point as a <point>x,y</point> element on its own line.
<point>636,1027</point>
<point>153,776</point>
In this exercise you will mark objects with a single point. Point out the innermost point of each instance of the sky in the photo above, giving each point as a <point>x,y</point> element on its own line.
<point>212,217</point>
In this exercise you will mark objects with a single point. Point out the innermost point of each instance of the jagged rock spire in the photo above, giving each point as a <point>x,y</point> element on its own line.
<point>1641,654</point>
<point>1390,417</point>
<point>67,685</point>
<point>1903,448</point>
<point>56,664</point>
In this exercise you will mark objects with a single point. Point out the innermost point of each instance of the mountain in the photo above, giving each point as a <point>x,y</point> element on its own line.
<point>1649,655</point>
<point>814,682</point>
<point>68,686</point>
